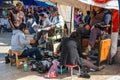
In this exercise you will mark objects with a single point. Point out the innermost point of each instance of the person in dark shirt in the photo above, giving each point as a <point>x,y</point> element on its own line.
<point>16,16</point>
<point>87,18</point>
<point>100,21</point>
<point>71,53</point>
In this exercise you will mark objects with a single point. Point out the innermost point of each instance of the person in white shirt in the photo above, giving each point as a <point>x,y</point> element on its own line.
<point>43,23</point>
<point>56,19</point>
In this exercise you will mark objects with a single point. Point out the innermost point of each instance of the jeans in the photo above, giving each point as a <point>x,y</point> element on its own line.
<point>32,52</point>
<point>93,35</point>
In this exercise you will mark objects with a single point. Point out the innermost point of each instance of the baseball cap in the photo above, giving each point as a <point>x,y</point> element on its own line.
<point>19,4</point>
<point>43,14</point>
<point>54,9</point>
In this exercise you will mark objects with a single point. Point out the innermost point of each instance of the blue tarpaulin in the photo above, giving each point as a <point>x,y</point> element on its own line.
<point>36,3</point>
<point>28,2</point>
<point>43,4</point>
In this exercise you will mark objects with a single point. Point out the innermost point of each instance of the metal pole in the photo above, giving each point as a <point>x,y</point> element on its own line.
<point>71,19</point>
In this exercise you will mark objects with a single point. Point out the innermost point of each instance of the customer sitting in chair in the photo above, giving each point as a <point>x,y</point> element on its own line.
<point>99,23</point>
<point>57,21</point>
<point>71,53</point>
<point>44,22</point>
<point>20,44</point>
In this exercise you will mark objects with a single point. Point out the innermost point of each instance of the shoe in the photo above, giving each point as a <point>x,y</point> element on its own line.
<point>100,68</point>
<point>84,75</point>
<point>92,70</point>
<point>112,61</point>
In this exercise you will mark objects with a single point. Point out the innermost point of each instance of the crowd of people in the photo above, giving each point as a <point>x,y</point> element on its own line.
<point>36,19</point>
<point>34,23</point>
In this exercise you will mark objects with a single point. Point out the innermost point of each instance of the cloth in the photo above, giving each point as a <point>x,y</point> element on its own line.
<point>114,40</point>
<point>115,20</point>
<point>19,41</point>
<point>114,36</point>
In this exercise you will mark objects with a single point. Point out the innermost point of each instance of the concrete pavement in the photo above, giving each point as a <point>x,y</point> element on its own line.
<point>7,72</point>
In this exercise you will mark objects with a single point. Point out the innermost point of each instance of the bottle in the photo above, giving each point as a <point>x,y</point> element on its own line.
<point>25,67</point>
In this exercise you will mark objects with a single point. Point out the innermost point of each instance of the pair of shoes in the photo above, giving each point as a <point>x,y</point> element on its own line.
<point>84,75</point>
<point>99,69</point>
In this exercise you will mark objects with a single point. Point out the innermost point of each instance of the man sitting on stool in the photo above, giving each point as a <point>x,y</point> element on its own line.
<point>19,43</point>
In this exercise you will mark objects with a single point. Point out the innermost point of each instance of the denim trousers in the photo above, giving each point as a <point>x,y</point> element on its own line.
<point>93,36</point>
<point>32,52</point>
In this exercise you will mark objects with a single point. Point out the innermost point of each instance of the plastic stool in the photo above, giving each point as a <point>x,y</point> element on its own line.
<point>71,67</point>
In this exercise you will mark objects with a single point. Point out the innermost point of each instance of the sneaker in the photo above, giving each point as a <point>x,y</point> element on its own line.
<point>84,75</point>
<point>92,70</point>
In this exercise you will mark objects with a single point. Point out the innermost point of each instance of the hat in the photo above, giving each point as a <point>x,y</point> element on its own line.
<point>19,4</point>
<point>43,14</point>
<point>54,9</point>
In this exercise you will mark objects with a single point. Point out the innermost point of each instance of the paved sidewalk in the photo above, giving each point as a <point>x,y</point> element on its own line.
<point>7,72</point>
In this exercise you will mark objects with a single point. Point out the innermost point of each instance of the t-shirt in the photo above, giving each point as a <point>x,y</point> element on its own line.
<point>17,17</point>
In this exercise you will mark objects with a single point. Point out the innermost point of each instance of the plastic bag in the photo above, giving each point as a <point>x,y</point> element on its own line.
<point>52,73</point>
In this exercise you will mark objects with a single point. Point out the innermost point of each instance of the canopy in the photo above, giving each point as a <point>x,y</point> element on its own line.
<point>37,3</point>
<point>28,2</point>
<point>43,4</point>
<point>110,4</point>
<point>74,3</point>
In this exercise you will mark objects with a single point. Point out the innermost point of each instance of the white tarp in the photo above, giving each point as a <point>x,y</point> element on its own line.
<point>72,3</point>
<point>67,14</point>
<point>112,4</point>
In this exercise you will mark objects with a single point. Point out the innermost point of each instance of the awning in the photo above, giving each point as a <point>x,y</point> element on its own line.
<point>28,2</point>
<point>111,4</point>
<point>43,4</point>
<point>73,3</point>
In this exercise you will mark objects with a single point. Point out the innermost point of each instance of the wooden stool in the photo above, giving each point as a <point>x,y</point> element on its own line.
<point>17,59</point>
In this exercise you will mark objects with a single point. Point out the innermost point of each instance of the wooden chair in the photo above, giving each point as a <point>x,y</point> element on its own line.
<point>17,58</point>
